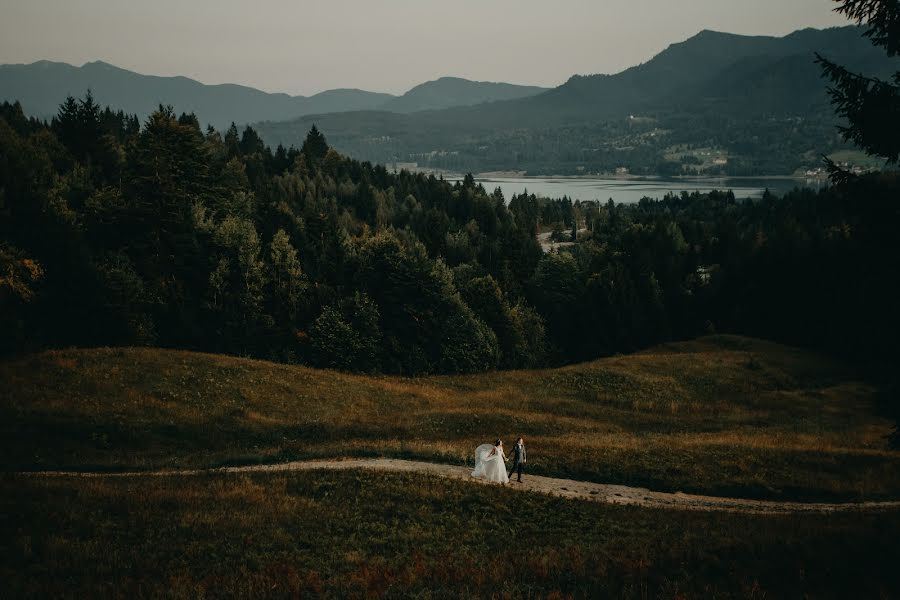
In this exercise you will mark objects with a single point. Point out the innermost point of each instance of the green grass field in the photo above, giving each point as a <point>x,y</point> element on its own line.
<point>722,415</point>
<point>856,158</point>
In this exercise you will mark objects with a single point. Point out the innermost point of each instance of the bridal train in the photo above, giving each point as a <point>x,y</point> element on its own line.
<point>490,463</point>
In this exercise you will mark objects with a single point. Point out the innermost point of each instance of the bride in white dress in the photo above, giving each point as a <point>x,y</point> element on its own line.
<point>490,463</point>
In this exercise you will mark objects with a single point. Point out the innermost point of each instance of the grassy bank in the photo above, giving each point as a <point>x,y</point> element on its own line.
<point>359,534</point>
<point>722,415</point>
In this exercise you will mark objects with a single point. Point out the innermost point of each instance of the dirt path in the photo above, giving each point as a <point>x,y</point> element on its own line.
<point>565,488</point>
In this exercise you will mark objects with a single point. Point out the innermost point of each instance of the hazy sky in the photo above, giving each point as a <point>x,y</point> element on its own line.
<point>305,46</point>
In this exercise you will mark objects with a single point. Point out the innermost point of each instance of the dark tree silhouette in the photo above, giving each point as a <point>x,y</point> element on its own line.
<point>315,147</point>
<point>870,106</point>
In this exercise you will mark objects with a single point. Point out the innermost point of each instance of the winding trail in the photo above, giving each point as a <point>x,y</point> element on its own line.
<point>565,488</point>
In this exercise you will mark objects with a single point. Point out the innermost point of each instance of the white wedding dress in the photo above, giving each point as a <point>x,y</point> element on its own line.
<point>490,465</point>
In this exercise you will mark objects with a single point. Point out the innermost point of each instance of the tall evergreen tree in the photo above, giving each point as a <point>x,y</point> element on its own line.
<point>232,141</point>
<point>871,106</point>
<point>168,179</point>
<point>66,124</point>
<point>251,142</point>
<point>315,147</point>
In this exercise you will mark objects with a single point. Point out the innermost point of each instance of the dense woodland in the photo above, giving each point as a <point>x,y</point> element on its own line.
<point>116,233</point>
<point>755,145</point>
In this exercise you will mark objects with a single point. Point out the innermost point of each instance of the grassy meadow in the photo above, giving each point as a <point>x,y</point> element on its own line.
<point>722,415</point>
<point>371,535</point>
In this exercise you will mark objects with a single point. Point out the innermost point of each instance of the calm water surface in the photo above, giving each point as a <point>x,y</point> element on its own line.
<point>632,190</point>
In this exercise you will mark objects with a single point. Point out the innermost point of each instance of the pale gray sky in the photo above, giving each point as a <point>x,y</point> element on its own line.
<point>306,46</point>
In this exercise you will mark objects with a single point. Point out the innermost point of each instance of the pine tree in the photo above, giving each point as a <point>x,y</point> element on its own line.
<point>251,142</point>
<point>190,120</point>
<point>871,106</point>
<point>232,141</point>
<point>280,160</point>
<point>66,123</point>
<point>315,147</point>
<point>166,181</point>
<point>90,121</point>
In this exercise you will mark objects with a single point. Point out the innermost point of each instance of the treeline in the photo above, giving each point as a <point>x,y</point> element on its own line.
<point>756,145</point>
<point>169,235</point>
<point>777,144</point>
<point>119,233</point>
<point>810,268</point>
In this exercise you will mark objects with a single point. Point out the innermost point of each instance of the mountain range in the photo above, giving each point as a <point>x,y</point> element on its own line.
<point>759,101</point>
<point>449,92</point>
<point>41,86</point>
<point>716,103</point>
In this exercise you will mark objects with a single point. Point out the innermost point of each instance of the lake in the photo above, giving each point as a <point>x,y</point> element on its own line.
<point>627,191</point>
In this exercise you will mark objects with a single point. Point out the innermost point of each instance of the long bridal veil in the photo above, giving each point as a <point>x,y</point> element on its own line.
<point>481,453</point>
<point>487,466</point>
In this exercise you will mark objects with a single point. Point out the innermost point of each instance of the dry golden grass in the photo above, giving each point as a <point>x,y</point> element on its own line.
<point>356,534</point>
<point>720,415</point>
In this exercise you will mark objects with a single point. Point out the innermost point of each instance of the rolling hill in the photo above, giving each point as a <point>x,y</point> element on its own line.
<point>721,416</point>
<point>448,92</point>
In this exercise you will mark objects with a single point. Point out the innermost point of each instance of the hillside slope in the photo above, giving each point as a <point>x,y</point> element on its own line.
<point>709,90</point>
<point>708,66</point>
<point>448,92</point>
<point>721,416</point>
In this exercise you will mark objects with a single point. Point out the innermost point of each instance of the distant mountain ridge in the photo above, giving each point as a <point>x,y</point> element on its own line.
<point>695,70</point>
<point>448,92</point>
<point>41,87</point>
<point>706,64</point>
<point>715,90</point>
<point>757,102</point>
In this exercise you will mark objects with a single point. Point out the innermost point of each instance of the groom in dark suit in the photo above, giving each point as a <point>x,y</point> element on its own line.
<point>518,459</point>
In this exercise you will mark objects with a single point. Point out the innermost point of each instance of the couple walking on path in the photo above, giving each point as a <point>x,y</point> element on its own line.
<point>490,461</point>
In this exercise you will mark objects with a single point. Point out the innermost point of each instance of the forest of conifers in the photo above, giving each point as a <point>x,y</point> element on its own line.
<point>116,232</point>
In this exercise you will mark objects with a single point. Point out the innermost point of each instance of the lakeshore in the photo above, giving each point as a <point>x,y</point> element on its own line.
<point>629,189</point>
